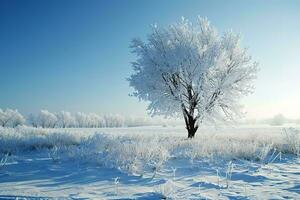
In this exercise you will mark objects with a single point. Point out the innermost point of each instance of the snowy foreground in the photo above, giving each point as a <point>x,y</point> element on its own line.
<point>150,163</point>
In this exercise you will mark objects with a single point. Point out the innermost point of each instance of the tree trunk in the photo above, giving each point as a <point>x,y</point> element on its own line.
<point>191,125</point>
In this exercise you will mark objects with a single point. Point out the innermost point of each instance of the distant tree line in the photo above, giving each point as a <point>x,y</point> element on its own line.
<point>63,119</point>
<point>276,120</point>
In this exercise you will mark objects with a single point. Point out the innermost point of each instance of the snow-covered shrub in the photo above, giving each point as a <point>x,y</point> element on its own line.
<point>291,139</point>
<point>137,155</point>
<point>128,153</point>
<point>263,153</point>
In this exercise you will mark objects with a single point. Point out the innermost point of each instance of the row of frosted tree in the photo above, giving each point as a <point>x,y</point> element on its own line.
<point>63,119</point>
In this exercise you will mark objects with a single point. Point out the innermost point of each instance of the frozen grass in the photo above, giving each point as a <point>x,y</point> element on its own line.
<point>14,140</point>
<point>150,163</point>
<point>137,153</point>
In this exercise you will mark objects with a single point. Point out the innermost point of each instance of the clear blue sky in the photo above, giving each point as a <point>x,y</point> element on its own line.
<point>74,55</point>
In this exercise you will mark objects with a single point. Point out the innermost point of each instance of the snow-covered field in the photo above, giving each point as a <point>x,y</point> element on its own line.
<point>150,163</point>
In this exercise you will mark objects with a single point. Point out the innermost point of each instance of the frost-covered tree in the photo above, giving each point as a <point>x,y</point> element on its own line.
<point>81,119</point>
<point>191,70</point>
<point>3,118</point>
<point>32,120</point>
<point>95,121</point>
<point>16,118</point>
<point>90,120</point>
<point>11,118</point>
<point>113,121</point>
<point>46,119</point>
<point>278,120</point>
<point>65,119</point>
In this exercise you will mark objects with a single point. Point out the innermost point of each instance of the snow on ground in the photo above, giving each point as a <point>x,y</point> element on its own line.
<point>150,163</point>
